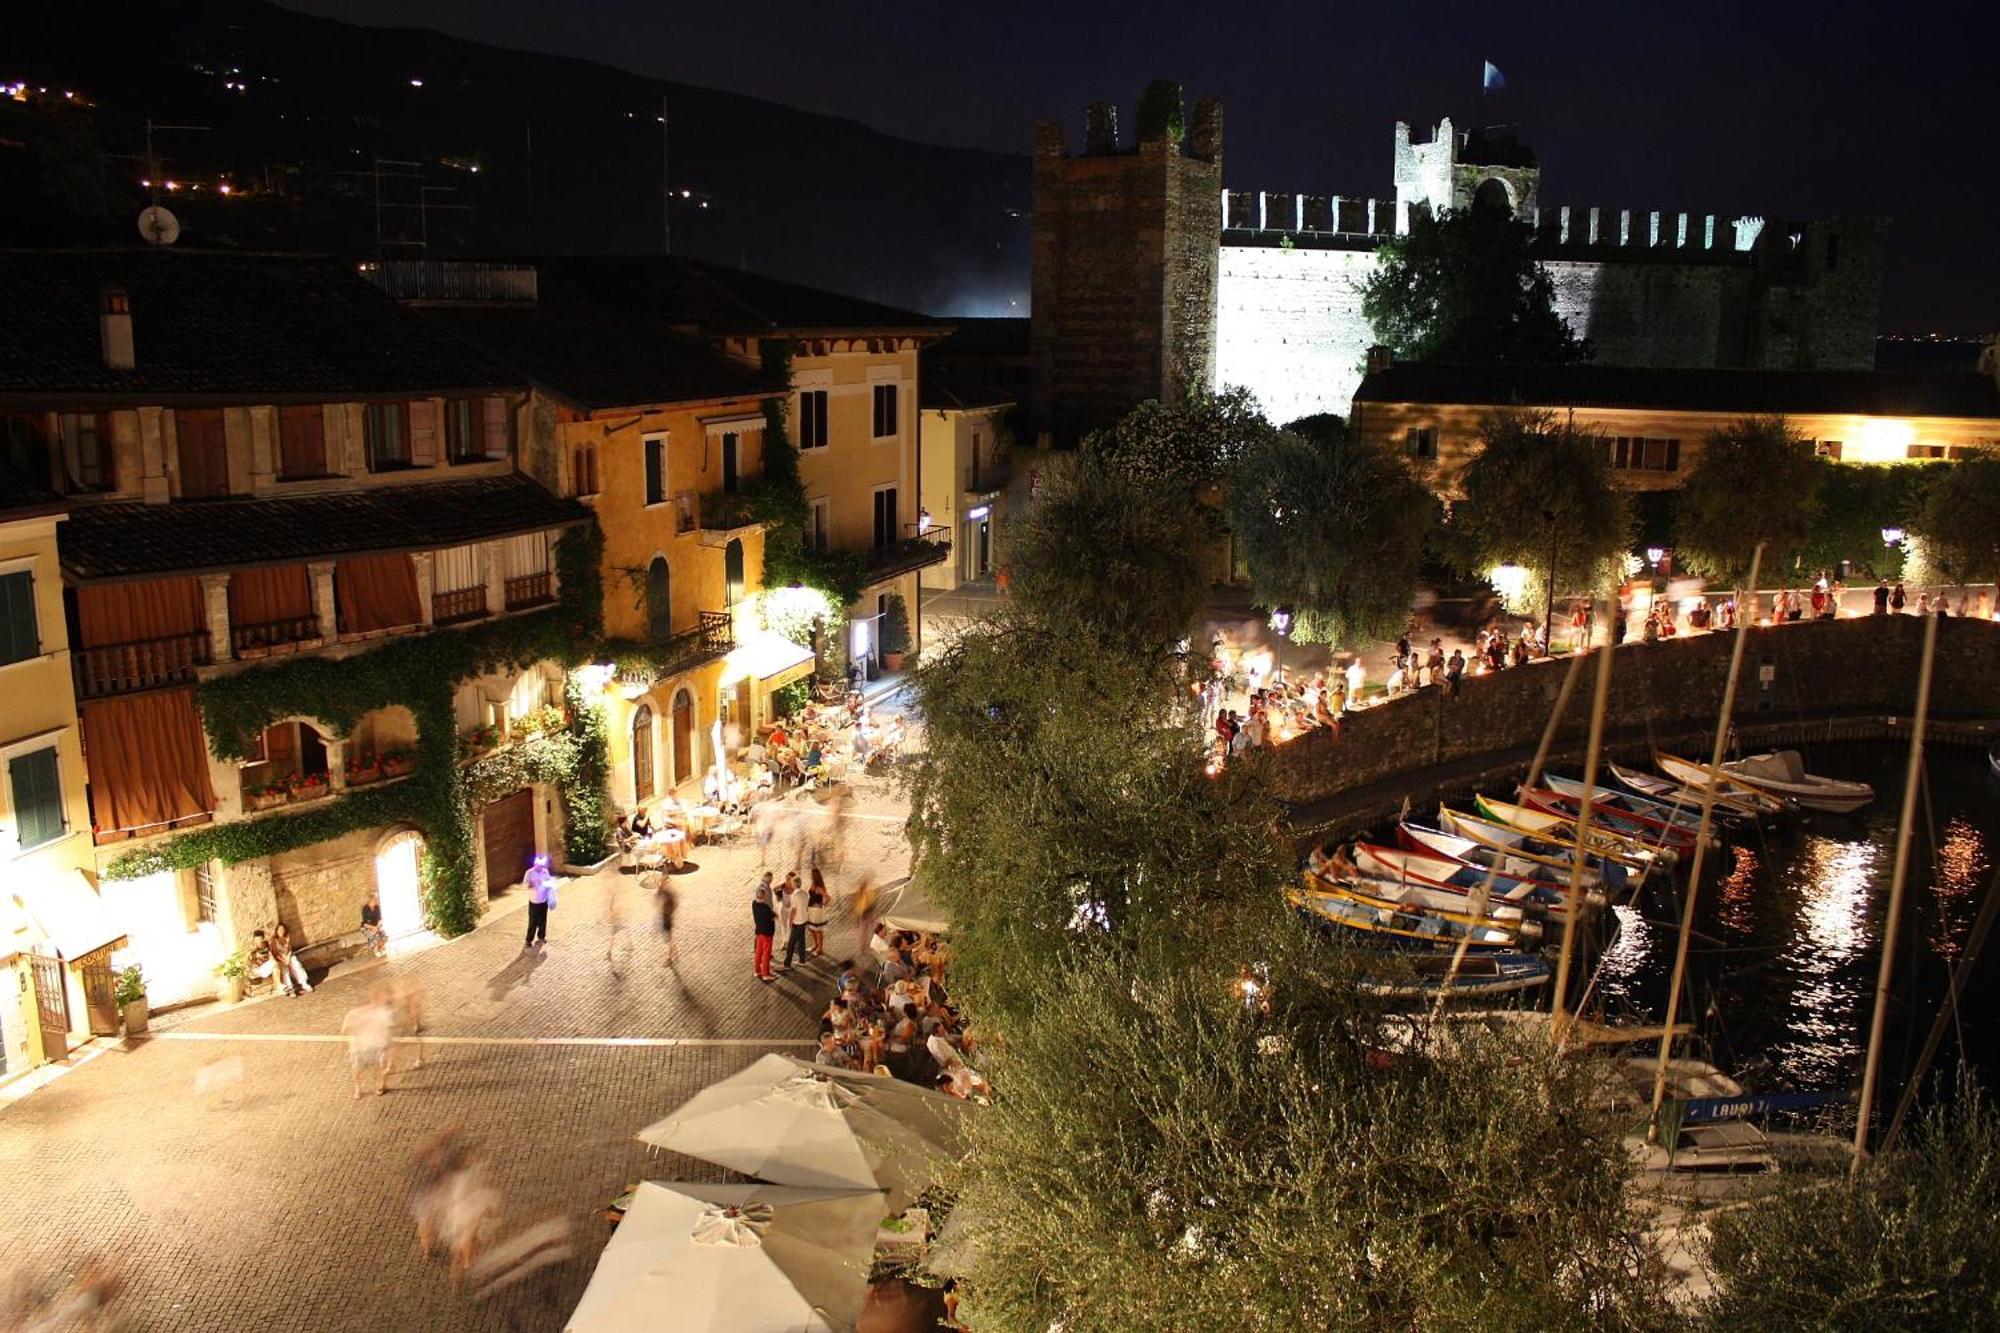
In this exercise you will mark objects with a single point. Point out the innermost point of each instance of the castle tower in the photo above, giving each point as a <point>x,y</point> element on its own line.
<point>1126,243</point>
<point>1454,171</point>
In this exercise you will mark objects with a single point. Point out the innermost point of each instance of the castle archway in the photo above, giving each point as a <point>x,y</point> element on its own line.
<point>1492,195</point>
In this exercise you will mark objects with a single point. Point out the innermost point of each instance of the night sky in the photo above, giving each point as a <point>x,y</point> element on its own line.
<point>1789,110</point>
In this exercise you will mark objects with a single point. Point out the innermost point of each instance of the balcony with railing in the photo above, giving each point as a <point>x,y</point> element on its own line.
<point>144,664</point>
<point>919,548</point>
<point>460,604</point>
<point>528,590</point>
<point>991,475</point>
<point>274,636</point>
<point>713,636</point>
<point>727,515</point>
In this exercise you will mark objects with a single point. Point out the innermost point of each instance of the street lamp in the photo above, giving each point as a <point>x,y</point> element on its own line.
<point>1281,621</point>
<point>1893,536</point>
<point>1655,554</point>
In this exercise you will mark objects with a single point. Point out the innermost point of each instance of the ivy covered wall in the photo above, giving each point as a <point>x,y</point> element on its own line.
<point>440,798</point>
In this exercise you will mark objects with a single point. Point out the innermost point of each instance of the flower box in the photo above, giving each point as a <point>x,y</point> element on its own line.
<point>397,765</point>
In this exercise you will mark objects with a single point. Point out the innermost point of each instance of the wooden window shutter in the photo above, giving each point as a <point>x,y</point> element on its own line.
<point>423,432</point>
<point>495,423</point>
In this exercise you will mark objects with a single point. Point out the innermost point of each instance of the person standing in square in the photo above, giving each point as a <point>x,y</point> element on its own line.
<point>541,897</point>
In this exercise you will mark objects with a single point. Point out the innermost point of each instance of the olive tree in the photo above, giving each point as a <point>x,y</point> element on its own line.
<point>1958,522</point>
<point>1465,286</point>
<point>1753,485</point>
<point>1333,527</point>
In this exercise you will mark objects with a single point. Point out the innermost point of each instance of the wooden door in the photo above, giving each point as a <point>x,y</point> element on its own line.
<point>510,840</point>
<point>100,996</point>
<point>683,737</point>
<point>51,1006</point>
<point>203,452</point>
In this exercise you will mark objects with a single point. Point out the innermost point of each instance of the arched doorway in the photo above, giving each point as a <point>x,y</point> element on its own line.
<point>683,736</point>
<point>659,604</point>
<point>399,883</point>
<point>642,754</point>
<point>1492,197</point>
<point>732,569</point>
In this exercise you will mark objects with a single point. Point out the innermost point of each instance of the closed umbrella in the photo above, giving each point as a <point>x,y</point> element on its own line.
<point>793,1123</point>
<point>734,1259</point>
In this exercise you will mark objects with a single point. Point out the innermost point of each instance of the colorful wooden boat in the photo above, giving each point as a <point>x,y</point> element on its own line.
<point>1478,974</point>
<point>1393,926</point>
<point>1606,843</point>
<point>1694,777</point>
<point>1511,841</point>
<point>1402,866</point>
<point>1525,921</point>
<point>1750,806</point>
<point>1611,819</point>
<point>1660,812</point>
<point>1550,872</point>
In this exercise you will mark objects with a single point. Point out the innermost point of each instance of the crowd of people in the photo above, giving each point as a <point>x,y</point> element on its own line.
<point>892,1015</point>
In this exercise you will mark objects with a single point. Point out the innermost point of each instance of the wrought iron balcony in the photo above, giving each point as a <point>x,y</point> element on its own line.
<point>713,636</point>
<point>144,664</point>
<point>918,549</point>
<point>726,515</point>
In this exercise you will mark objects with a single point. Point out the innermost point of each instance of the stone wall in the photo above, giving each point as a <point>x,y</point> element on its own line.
<point>1848,667</point>
<point>1654,313</point>
<point>320,889</point>
<point>1289,326</point>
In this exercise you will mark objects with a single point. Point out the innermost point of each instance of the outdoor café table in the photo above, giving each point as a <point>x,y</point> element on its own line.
<point>671,845</point>
<point>700,819</point>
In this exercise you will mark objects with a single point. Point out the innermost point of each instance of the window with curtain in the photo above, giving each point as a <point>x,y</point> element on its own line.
<point>34,782</point>
<point>301,442</point>
<point>376,592</point>
<point>88,464</point>
<point>271,604</point>
<point>148,761</point>
<point>526,554</point>
<point>385,426</point>
<point>456,568</point>
<point>478,429</point>
<point>114,613</point>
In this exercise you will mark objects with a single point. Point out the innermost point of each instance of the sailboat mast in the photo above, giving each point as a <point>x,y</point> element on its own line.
<point>1708,788</point>
<point>1896,881</point>
<point>1573,898</point>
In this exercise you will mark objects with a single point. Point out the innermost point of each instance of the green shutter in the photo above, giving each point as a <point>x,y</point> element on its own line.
<point>18,636</point>
<point>38,812</point>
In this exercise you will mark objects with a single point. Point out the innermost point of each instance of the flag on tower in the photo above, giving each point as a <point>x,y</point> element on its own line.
<point>1495,81</point>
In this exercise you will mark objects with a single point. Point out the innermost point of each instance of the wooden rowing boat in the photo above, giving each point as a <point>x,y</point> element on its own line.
<point>1604,842</point>
<point>1611,819</point>
<point>1477,974</point>
<point>1549,872</point>
<point>1783,772</point>
<point>1747,806</point>
<point>1511,841</point>
<point>1390,924</point>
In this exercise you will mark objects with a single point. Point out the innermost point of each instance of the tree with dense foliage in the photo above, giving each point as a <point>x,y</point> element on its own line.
<point>1958,522</point>
<point>1907,1245</point>
<point>1333,527</point>
<point>1852,504</point>
<point>1122,559</point>
<point>1465,286</point>
<point>1753,485</point>
<point>1192,443</point>
<point>1163,1155</point>
<point>1539,487</point>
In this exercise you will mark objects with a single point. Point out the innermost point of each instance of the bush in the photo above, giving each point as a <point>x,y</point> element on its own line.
<point>895,625</point>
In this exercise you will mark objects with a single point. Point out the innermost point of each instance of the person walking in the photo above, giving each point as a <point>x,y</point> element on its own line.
<point>669,904</point>
<point>369,1028</point>
<point>797,909</point>
<point>541,897</point>
<point>764,919</point>
<point>1896,599</point>
<point>818,905</point>
<point>1882,597</point>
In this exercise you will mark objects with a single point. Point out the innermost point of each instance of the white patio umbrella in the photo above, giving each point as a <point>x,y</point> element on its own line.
<point>904,906</point>
<point>734,1259</point>
<point>793,1123</point>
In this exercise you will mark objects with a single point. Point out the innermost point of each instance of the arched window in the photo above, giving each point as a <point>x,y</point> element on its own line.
<point>732,569</point>
<point>659,605</point>
<point>642,754</point>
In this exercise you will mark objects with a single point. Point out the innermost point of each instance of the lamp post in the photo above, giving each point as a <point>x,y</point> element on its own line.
<point>1281,621</point>
<point>1893,539</point>
<point>1549,593</point>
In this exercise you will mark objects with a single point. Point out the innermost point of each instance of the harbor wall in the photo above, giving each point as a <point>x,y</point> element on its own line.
<point>1659,691</point>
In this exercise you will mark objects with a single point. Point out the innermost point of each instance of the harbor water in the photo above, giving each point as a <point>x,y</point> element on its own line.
<point>1789,927</point>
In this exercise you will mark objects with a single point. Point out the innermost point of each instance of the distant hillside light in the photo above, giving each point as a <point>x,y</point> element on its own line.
<point>416,83</point>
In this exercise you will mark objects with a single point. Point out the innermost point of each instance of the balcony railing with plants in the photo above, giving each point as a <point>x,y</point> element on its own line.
<point>144,664</point>
<point>725,511</point>
<point>288,790</point>
<point>449,608</point>
<point>528,590</point>
<point>918,549</point>
<point>264,636</point>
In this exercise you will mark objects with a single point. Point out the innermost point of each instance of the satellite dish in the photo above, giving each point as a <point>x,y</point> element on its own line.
<point>158,226</point>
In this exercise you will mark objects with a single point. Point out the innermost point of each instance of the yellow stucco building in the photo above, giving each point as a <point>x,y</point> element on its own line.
<point>967,466</point>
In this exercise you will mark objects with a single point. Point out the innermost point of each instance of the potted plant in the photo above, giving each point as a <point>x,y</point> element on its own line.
<point>895,632</point>
<point>231,970</point>
<point>397,763</point>
<point>131,997</point>
<point>263,798</point>
<point>362,772</point>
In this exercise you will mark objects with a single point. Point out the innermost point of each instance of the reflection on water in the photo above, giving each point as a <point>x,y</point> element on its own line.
<point>1787,937</point>
<point>1961,869</point>
<point>1827,882</point>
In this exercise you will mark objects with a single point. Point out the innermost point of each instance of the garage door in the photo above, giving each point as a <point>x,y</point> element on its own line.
<point>510,840</point>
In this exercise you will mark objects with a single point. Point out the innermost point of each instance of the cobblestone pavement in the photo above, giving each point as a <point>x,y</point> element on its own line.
<point>280,1201</point>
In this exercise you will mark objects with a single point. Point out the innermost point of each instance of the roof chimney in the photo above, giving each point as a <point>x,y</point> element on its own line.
<point>1380,358</point>
<point>114,327</point>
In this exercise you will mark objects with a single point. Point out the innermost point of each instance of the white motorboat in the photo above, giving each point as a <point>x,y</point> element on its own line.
<point>1784,773</point>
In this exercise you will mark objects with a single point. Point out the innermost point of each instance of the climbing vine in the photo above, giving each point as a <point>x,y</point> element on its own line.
<point>439,798</point>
